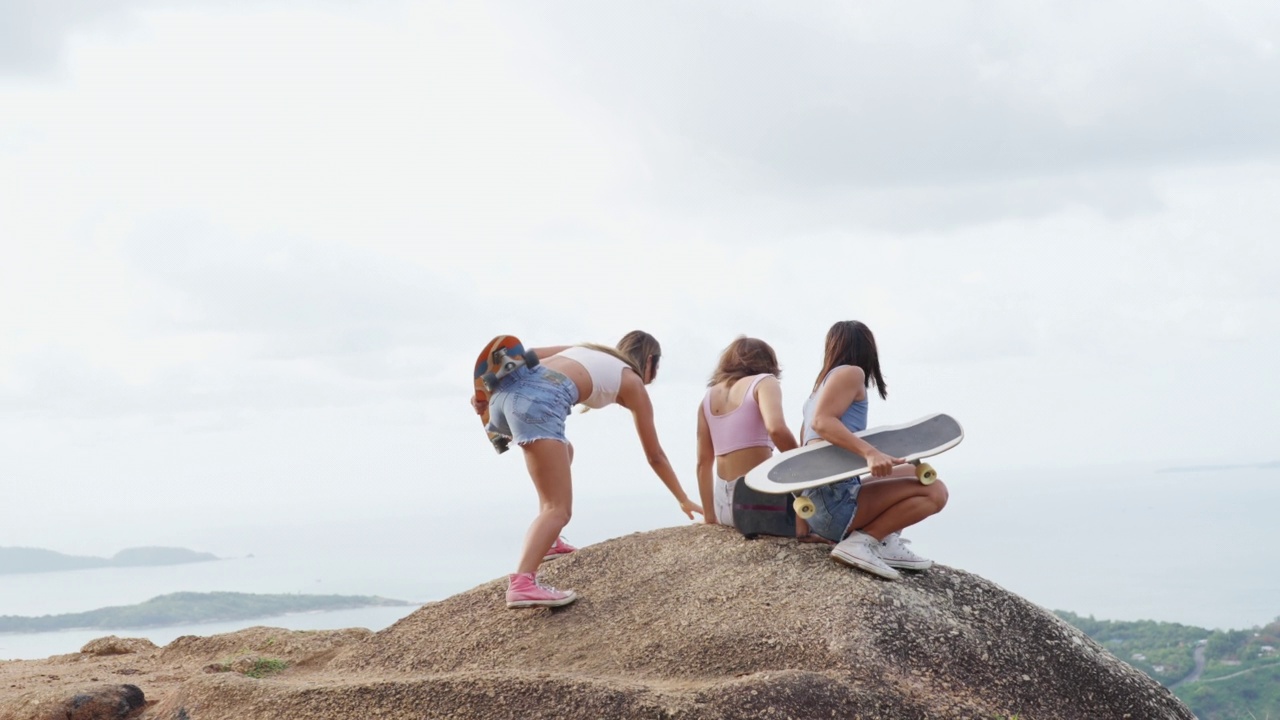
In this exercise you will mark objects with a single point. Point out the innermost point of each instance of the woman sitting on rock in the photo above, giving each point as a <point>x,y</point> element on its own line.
<point>530,406</point>
<point>864,517</point>
<point>739,423</point>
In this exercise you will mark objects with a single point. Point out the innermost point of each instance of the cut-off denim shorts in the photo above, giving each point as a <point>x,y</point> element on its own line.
<point>532,405</point>
<point>834,507</point>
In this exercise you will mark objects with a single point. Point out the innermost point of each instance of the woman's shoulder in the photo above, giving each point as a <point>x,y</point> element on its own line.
<point>749,383</point>
<point>846,374</point>
<point>764,379</point>
<point>767,383</point>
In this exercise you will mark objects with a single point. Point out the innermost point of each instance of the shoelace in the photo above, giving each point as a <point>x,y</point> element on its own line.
<point>903,543</point>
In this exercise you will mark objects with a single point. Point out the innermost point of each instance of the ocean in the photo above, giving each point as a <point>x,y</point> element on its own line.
<point>1194,546</point>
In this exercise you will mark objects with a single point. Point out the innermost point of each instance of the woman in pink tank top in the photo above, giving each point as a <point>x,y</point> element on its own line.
<point>740,422</point>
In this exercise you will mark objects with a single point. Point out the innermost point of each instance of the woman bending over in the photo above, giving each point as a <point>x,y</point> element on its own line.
<point>530,406</point>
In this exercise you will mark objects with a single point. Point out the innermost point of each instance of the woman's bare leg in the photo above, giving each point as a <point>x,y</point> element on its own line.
<point>548,463</point>
<point>887,505</point>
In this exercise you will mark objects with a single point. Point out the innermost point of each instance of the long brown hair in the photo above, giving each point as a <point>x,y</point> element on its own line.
<point>850,342</point>
<point>637,348</point>
<point>744,357</point>
<point>644,351</point>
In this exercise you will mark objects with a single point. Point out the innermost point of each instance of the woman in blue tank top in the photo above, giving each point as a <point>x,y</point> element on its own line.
<point>862,516</point>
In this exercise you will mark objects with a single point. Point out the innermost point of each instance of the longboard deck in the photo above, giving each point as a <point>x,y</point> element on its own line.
<point>822,463</point>
<point>501,355</point>
<point>756,513</point>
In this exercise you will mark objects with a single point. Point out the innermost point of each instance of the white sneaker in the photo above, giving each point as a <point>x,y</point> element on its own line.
<point>860,550</point>
<point>895,553</point>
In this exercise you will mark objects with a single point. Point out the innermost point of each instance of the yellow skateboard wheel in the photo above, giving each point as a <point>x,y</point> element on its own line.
<point>804,507</point>
<point>926,474</point>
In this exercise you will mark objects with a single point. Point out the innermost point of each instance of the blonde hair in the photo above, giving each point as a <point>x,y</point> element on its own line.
<point>615,353</point>
<point>641,347</point>
<point>636,349</point>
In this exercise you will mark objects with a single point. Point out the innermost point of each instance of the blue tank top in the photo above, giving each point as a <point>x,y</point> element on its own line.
<point>854,417</point>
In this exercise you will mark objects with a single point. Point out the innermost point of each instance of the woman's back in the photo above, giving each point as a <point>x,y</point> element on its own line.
<point>734,417</point>
<point>739,422</point>
<point>737,434</point>
<point>853,417</point>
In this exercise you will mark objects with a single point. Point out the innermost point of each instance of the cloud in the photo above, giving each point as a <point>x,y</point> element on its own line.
<point>34,34</point>
<point>313,297</point>
<point>216,324</point>
<point>340,212</point>
<point>853,102</point>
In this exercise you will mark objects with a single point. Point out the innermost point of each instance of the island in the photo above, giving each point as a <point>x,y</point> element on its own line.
<point>184,608</point>
<point>14,560</point>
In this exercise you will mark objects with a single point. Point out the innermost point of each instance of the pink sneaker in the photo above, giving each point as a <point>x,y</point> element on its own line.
<point>558,549</point>
<point>524,590</point>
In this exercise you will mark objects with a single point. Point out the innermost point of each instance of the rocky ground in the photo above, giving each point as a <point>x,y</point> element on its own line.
<point>680,623</point>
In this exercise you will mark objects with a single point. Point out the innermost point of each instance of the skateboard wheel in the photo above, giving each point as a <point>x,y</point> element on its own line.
<point>926,474</point>
<point>489,380</point>
<point>501,444</point>
<point>530,359</point>
<point>803,506</point>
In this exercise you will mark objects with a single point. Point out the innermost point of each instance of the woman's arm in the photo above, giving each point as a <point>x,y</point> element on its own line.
<point>706,461</point>
<point>846,385</point>
<point>635,398</point>
<point>769,398</point>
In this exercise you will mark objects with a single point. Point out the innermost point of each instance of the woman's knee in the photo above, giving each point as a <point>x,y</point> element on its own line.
<point>938,494</point>
<point>561,514</point>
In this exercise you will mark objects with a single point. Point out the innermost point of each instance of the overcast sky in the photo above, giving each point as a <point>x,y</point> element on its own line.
<point>248,251</point>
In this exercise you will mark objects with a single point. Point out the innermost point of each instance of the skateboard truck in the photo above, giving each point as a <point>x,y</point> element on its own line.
<point>925,473</point>
<point>504,364</point>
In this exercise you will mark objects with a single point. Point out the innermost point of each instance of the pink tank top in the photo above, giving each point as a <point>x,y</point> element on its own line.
<point>741,427</point>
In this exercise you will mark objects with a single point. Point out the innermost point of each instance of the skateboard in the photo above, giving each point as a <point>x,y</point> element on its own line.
<point>821,463</point>
<point>756,513</point>
<point>501,357</point>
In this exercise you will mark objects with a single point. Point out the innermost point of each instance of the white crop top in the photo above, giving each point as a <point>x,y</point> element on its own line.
<point>605,371</point>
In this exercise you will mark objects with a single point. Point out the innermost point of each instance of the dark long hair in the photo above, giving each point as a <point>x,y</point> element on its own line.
<point>849,342</point>
<point>745,356</point>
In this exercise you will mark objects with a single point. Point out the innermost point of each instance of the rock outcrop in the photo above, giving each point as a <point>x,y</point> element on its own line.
<point>681,623</point>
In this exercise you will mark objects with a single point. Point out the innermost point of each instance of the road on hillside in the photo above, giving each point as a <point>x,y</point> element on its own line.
<point>1197,671</point>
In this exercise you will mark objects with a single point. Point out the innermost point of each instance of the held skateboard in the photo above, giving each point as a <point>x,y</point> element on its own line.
<point>501,357</point>
<point>821,463</point>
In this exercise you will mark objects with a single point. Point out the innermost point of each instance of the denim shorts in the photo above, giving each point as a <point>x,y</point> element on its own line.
<point>532,405</point>
<point>834,507</point>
